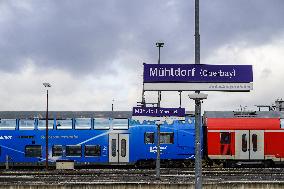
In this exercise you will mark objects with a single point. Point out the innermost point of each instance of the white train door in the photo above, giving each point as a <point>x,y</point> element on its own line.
<point>242,144</point>
<point>256,144</point>
<point>118,148</point>
<point>249,144</point>
<point>113,148</point>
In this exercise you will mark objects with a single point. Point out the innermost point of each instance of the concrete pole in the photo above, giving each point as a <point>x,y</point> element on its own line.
<point>198,158</point>
<point>197,35</point>
<point>158,165</point>
<point>7,162</point>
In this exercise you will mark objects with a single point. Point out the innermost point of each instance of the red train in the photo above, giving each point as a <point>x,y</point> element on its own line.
<point>240,138</point>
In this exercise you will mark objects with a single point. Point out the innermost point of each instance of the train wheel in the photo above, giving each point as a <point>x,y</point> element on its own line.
<point>268,163</point>
<point>229,164</point>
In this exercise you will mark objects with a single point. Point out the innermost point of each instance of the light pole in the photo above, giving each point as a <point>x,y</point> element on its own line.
<point>159,45</point>
<point>112,115</point>
<point>46,85</point>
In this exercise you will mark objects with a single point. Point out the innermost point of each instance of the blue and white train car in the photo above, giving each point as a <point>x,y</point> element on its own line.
<point>95,141</point>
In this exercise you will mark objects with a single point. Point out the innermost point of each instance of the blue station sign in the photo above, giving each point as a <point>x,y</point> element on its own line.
<point>197,73</point>
<point>158,112</point>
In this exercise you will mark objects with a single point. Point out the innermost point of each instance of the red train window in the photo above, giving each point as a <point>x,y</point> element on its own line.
<point>254,142</point>
<point>225,138</point>
<point>225,141</point>
<point>244,143</point>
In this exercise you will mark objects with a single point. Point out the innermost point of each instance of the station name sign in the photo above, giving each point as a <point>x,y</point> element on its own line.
<point>197,73</point>
<point>158,112</point>
<point>203,77</point>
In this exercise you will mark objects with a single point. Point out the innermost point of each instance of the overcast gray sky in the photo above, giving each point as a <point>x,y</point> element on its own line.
<point>92,51</point>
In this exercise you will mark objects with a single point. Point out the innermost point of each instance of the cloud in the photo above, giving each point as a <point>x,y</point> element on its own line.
<point>92,51</point>
<point>267,61</point>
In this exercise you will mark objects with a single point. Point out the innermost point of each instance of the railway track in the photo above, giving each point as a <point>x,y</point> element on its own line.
<point>213,175</point>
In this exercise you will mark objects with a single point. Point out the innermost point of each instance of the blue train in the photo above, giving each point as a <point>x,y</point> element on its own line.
<point>96,141</point>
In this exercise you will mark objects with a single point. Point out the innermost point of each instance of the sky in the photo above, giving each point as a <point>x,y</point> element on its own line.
<point>92,51</point>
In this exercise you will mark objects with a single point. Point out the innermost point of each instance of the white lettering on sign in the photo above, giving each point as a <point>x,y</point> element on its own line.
<point>219,73</point>
<point>5,137</point>
<point>178,72</point>
<point>198,86</point>
<point>164,72</point>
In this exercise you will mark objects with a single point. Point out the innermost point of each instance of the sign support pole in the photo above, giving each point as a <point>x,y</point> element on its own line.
<point>198,158</point>
<point>198,97</point>
<point>159,45</point>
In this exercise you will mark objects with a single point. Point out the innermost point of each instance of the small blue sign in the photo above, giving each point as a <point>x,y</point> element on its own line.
<point>158,112</point>
<point>197,73</point>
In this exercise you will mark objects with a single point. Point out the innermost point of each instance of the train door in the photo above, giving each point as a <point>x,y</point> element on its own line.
<point>249,144</point>
<point>118,148</point>
<point>256,144</point>
<point>242,144</point>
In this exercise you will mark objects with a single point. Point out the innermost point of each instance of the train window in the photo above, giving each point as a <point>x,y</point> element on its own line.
<point>8,124</point>
<point>57,150</point>
<point>92,150</point>
<point>33,151</point>
<point>113,147</point>
<point>64,124</point>
<point>26,124</point>
<point>254,142</point>
<point>225,138</point>
<point>73,150</point>
<point>167,138</point>
<point>282,123</point>
<point>83,123</point>
<point>244,143</point>
<point>101,123</point>
<point>120,123</point>
<point>149,138</point>
<point>42,124</point>
<point>123,148</point>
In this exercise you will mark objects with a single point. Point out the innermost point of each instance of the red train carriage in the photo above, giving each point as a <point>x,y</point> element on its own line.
<point>237,138</point>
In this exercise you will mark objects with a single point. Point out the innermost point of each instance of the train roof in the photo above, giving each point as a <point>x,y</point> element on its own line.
<point>235,114</point>
<point>68,114</point>
<point>64,114</point>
